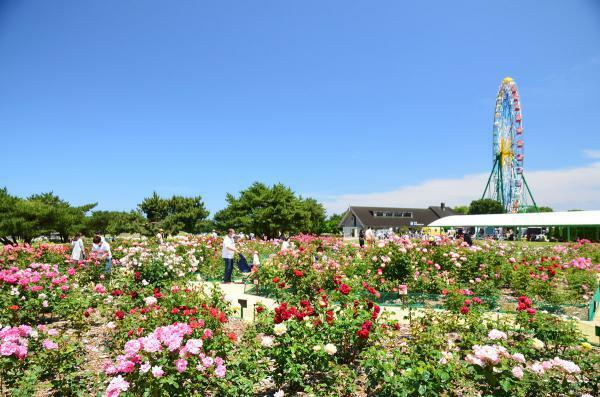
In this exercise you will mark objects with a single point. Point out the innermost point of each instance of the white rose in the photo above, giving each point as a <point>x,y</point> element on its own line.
<point>537,344</point>
<point>330,349</point>
<point>280,329</point>
<point>267,341</point>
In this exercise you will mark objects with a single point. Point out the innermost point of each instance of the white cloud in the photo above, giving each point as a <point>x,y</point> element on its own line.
<point>560,189</point>
<point>591,154</point>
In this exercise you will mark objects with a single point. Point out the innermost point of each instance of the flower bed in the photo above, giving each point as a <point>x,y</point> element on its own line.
<point>154,329</point>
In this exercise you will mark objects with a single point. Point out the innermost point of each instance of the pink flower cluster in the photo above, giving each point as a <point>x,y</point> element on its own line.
<point>487,355</point>
<point>31,277</point>
<point>13,341</point>
<point>565,366</point>
<point>582,264</point>
<point>169,339</point>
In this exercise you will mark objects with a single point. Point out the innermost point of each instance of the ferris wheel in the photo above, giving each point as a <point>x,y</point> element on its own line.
<point>506,183</point>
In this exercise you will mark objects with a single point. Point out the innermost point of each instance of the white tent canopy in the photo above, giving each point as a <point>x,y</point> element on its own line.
<point>571,218</point>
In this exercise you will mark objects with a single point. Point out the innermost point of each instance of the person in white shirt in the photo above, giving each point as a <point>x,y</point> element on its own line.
<point>78,251</point>
<point>369,236</point>
<point>159,236</point>
<point>228,253</point>
<point>102,248</point>
<point>255,259</point>
<point>285,245</point>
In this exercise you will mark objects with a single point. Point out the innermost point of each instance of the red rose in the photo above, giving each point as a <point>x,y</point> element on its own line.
<point>14,307</point>
<point>344,289</point>
<point>259,309</point>
<point>363,333</point>
<point>137,276</point>
<point>119,315</point>
<point>464,310</point>
<point>298,273</point>
<point>275,279</point>
<point>174,310</point>
<point>232,337</point>
<point>467,302</point>
<point>531,311</point>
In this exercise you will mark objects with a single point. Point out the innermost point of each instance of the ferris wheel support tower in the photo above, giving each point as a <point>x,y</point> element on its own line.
<point>506,183</point>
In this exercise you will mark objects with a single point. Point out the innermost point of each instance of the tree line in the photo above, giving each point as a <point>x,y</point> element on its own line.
<point>260,209</point>
<point>489,206</point>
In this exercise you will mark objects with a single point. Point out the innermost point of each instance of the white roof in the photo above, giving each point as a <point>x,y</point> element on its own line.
<point>571,218</point>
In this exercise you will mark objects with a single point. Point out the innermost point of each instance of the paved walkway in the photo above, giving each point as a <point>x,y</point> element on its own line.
<point>234,293</point>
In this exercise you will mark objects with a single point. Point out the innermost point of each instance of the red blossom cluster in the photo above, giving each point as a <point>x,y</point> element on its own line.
<point>344,289</point>
<point>276,280</point>
<point>284,312</point>
<point>525,305</point>
<point>370,289</point>
<point>184,310</point>
<point>364,331</point>
<point>217,314</point>
<point>468,302</point>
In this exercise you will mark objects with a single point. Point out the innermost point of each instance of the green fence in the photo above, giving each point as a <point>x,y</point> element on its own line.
<point>594,304</point>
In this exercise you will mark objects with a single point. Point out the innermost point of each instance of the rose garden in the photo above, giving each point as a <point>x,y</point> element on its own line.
<point>398,318</point>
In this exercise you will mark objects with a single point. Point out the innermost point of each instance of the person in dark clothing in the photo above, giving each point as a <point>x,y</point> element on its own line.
<point>467,238</point>
<point>361,238</point>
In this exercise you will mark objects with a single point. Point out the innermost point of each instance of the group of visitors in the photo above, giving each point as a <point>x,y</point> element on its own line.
<point>370,235</point>
<point>229,252</point>
<point>100,247</point>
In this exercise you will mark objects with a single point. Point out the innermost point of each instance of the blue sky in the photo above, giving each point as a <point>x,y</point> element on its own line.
<point>341,100</point>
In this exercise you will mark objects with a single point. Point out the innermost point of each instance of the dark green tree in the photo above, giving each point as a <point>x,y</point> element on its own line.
<point>116,222</point>
<point>485,206</point>
<point>39,214</point>
<point>59,216</point>
<point>331,225</point>
<point>175,214</point>
<point>269,211</point>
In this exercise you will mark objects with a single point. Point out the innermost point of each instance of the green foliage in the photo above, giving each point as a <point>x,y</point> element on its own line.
<point>265,210</point>
<point>332,223</point>
<point>38,215</point>
<point>116,222</point>
<point>539,209</point>
<point>461,209</point>
<point>176,214</point>
<point>485,206</point>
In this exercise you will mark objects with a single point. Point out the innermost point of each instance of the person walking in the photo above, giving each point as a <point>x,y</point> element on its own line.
<point>228,253</point>
<point>370,236</point>
<point>160,236</point>
<point>78,249</point>
<point>361,238</point>
<point>102,248</point>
